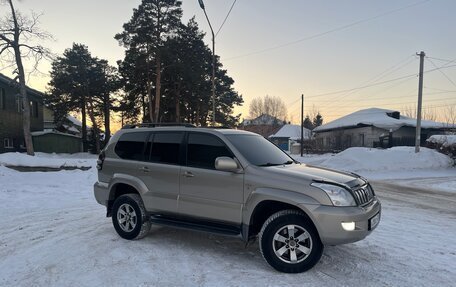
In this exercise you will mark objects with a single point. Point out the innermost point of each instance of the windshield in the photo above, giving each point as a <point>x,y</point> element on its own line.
<point>259,151</point>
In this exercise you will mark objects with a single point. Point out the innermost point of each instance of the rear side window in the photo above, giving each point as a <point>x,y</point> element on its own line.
<point>203,149</point>
<point>166,147</point>
<point>131,146</point>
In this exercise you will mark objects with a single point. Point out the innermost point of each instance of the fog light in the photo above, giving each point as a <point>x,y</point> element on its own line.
<point>348,226</point>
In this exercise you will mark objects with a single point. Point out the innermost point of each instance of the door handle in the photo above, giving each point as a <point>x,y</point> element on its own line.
<point>145,169</point>
<point>188,174</point>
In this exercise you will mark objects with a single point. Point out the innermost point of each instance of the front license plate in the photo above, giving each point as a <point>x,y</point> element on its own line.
<point>373,222</point>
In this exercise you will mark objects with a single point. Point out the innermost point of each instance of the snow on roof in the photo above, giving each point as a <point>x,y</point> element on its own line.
<point>45,132</point>
<point>292,131</point>
<point>74,120</point>
<point>381,118</point>
<point>445,140</point>
<point>71,129</point>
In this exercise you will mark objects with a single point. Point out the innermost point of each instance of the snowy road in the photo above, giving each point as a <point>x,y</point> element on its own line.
<point>53,233</point>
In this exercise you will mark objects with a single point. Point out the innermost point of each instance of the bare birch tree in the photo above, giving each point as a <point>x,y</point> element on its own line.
<point>18,34</point>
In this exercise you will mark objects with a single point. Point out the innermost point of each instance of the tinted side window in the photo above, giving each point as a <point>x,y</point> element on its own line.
<point>131,146</point>
<point>166,147</point>
<point>203,149</point>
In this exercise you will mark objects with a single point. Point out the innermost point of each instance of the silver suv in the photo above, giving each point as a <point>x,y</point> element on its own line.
<point>235,183</point>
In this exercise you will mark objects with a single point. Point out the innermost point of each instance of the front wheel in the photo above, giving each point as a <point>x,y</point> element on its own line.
<point>289,242</point>
<point>129,217</point>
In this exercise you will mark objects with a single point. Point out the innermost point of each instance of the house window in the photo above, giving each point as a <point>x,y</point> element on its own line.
<point>2,99</point>
<point>361,139</point>
<point>34,109</point>
<point>19,105</point>
<point>7,143</point>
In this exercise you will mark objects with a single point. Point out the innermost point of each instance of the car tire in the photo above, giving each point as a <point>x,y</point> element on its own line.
<point>289,242</point>
<point>129,217</point>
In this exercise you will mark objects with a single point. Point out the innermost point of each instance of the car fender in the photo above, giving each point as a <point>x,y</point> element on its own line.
<point>259,195</point>
<point>136,183</point>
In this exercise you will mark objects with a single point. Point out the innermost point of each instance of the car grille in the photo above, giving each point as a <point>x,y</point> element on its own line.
<point>363,195</point>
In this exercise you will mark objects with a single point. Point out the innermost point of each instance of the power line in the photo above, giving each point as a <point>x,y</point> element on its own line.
<point>378,83</point>
<point>362,87</point>
<point>329,31</point>
<point>393,69</point>
<point>445,75</point>
<point>440,59</point>
<point>223,23</point>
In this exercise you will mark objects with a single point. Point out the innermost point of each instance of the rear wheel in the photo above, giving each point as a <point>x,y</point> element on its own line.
<point>289,242</point>
<point>129,217</point>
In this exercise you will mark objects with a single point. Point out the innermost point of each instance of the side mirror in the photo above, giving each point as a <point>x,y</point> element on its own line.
<point>225,163</point>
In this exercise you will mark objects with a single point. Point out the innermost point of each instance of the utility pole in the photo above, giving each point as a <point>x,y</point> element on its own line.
<point>302,120</point>
<point>201,3</point>
<point>420,99</point>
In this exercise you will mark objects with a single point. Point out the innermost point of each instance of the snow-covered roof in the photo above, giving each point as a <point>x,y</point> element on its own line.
<point>71,129</point>
<point>381,118</point>
<point>292,131</point>
<point>444,140</point>
<point>74,120</point>
<point>45,132</point>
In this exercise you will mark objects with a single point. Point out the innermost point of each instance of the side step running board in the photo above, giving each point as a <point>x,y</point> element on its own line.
<point>200,226</point>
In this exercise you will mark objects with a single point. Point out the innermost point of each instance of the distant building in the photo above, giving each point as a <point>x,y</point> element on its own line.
<point>264,119</point>
<point>64,136</point>
<point>264,125</point>
<point>288,135</point>
<point>374,127</point>
<point>69,125</point>
<point>11,131</point>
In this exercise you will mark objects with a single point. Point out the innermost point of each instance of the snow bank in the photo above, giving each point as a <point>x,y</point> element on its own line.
<point>444,140</point>
<point>358,159</point>
<point>48,160</point>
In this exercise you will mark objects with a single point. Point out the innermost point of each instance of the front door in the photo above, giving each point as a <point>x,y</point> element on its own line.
<point>205,192</point>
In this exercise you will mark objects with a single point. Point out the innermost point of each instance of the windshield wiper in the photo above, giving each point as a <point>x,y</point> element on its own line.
<point>270,164</point>
<point>276,164</point>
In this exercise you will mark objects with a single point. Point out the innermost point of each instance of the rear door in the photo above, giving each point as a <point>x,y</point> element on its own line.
<point>161,171</point>
<point>204,191</point>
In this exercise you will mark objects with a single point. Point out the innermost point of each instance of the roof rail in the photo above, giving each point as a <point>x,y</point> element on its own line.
<point>153,125</point>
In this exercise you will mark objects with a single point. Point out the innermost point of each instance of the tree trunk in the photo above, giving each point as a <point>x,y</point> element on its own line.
<point>84,125</point>
<point>151,99</point>
<point>22,87</point>
<point>95,129</point>
<point>157,88</point>
<point>107,118</point>
<point>177,93</point>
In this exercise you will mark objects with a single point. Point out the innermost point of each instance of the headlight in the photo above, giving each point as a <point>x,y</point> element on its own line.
<point>338,195</point>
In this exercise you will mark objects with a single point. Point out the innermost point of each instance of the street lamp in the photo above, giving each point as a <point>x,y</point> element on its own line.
<point>201,3</point>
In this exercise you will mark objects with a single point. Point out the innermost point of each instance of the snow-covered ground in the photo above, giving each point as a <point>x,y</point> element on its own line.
<point>47,160</point>
<point>53,233</point>
<point>426,169</point>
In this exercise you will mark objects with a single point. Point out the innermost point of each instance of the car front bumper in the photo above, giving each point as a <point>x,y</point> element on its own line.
<point>328,221</point>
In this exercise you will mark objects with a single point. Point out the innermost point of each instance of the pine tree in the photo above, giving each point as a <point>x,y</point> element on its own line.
<point>82,83</point>
<point>308,123</point>
<point>152,23</point>
<point>318,120</point>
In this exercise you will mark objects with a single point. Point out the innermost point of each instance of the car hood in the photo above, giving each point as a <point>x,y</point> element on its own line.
<point>316,173</point>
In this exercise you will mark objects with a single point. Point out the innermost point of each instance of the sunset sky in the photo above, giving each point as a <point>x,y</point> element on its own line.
<point>322,49</point>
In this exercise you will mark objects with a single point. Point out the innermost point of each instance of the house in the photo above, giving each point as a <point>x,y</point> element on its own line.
<point>62,137</point>
<point>69,125</point>
<point>374,127</point>
<point>264,119</point>
<point>11,131</point>
<point>288,135</point>
<point>264,125</point>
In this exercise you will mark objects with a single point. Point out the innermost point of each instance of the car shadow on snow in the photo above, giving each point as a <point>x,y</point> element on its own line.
<point>340,260</point>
